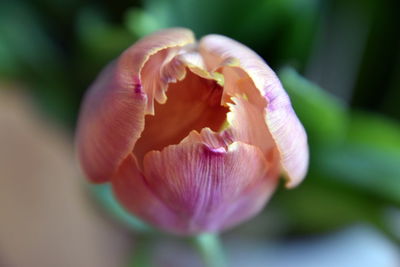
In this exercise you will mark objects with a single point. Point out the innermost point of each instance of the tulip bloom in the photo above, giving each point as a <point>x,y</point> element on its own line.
<point>191,135</point>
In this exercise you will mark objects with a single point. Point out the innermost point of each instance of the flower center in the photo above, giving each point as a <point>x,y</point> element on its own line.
<point>193,104</point>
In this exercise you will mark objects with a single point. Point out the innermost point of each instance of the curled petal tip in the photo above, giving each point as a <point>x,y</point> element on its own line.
<point>112,114</point>
<point>191,136</point>
<point>283,124</point>
<point>289,135</point>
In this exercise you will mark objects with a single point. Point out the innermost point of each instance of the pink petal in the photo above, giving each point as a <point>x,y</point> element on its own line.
<point>134,194</point>
<point>112,115</point>
<point>151,60</point>
<point>210,189</point>
<point>111,120</point>
<point>193,103</point>
<point>282,122</point>
<point>247,124</point>
<point>210,138</point>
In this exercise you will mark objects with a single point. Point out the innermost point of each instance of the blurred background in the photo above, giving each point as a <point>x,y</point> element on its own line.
<point>340,63</point>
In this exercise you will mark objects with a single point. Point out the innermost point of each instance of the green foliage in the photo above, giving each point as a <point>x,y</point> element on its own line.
<point>57,48</point>
<point>355,161</point>
<point>367,168</point>
<point>324,117</point>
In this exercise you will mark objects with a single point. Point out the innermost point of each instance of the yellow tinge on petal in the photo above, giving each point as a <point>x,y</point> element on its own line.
<point>193,136</point>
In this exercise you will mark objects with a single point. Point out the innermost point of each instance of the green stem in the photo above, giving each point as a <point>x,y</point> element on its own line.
<point>210,248</point>
<point>143,250</point>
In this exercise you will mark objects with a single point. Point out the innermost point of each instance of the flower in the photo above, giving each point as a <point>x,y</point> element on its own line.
<point>191,135</point>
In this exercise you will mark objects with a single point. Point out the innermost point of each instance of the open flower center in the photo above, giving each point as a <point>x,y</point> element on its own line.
<point>193,104</point>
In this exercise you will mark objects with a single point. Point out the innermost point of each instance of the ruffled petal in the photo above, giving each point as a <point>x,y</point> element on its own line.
<point>112,115</point>
<point>210,138</point>
<point>282,122</point>
<point>210,188</point>
<point>152,62</point>
<point>247,124</point>
<point>194,61</point>
<point>193,103</point>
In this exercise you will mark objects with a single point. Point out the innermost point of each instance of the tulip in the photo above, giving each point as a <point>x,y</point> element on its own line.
<point>192,135</point>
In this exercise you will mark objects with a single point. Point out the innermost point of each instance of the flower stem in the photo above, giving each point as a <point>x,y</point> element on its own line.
<point>210,248</point>
<point>143,249</point>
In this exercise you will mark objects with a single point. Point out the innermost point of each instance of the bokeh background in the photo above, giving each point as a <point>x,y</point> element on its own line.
<point>340,63</point>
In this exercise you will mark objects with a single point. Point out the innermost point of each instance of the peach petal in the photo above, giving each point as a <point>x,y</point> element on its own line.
<point>210,138</point>
<point>112,115</point>
<point>282,122</point>
<point>210,189</point>
<point>247,124</point>
<point>193,103</point>
<point>111,120</point>
<point>151,61</point>
<point>132,191</point>
<point>195,63</point>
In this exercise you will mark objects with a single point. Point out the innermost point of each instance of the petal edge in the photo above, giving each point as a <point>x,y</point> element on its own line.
<point>286,130</point>
<point>211,188</point>
<point>112,114</point>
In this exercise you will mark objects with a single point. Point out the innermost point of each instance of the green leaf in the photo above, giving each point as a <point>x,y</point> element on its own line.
<point>367,168</point>
<point>368,159</point>
<point>28,47</point>
<point>323,205</point>
<point>324,117</point>
<point>100,40</point>
<point>374,130</point>
<point>141,23</point>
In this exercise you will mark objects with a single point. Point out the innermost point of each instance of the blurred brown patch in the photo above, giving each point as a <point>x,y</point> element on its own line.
<point>46,219</point>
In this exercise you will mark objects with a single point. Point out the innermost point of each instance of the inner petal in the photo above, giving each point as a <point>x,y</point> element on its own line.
<point>247,110</point>
<point>248,107</point>
<point>192,104</point>
<point>161,69</point>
